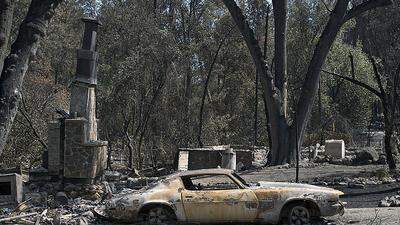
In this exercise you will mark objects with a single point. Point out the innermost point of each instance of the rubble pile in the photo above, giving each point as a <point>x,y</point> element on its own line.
<point>354,156</point>
<point>74,211</point>
<point>355,182</point>
<point>56,203</point>
<point>393,201</point>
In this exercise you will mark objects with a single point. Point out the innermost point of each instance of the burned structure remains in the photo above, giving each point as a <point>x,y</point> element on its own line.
<point>75,153</point>
<point>229,157</point>
<point>11,193</point>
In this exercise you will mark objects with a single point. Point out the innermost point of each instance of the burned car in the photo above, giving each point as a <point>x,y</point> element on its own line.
<point>220,196</point>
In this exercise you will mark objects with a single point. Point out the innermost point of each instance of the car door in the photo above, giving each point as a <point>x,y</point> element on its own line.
<point>217,198</point>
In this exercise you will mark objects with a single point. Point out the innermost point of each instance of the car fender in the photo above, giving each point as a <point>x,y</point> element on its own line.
<point>309,200</point>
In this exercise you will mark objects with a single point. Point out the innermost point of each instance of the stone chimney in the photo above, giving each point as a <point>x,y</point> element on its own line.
<point>75,153</point>
<point>83,89</point>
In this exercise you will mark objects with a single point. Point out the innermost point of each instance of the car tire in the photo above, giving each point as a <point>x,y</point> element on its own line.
<point>298,214</point>
<point>159,215</point>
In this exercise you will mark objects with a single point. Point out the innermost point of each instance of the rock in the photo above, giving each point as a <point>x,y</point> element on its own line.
<point>321,159</point>
<point>366,156</point>
<point>393,201</point>
<point>61,198</point>
<point>284,166</point>
<point>388,180</point>
<point>384,203</point>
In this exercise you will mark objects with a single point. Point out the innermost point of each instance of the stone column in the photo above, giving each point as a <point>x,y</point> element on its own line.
<point>83,89</point>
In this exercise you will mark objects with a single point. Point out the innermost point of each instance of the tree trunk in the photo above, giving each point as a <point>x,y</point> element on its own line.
<point>6,18</point>
<point>279,126</point>
<point>311,82</point>
<point>130,149</point>
<point>389,148</point>
<point>284,136</point>
<point>280,8</point>
<point>187,103</point>
<point>266,60</point>
<point>16,64</point>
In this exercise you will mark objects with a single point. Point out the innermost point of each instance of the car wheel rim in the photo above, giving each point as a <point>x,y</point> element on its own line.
<point>158,216</point>
<point>299,215</point>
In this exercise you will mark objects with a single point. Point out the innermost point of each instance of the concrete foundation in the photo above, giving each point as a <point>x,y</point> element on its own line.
<point>11,190</point>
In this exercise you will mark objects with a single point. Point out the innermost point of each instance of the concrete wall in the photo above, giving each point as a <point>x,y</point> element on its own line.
<point>205,159</point>
<point>16,184</point>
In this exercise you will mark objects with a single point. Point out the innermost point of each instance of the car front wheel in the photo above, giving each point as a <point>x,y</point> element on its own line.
<point>298,215</point>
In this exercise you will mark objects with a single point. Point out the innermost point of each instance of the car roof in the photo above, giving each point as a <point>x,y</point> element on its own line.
<point>201,172</point>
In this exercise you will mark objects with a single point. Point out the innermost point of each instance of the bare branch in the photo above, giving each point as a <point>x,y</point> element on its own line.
<point>366,6</point>
<point>28,119</point>
<point>206,90</point>
<point>378,78</point>
<point>326,6</point>
<point>356,82</point>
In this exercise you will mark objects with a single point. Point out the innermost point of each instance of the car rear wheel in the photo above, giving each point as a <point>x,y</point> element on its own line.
<point>159,215</point>
<point>298,214</point>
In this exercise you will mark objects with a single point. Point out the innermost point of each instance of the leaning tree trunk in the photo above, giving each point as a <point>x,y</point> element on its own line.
<point>6,18</point>
<point>16,64</point>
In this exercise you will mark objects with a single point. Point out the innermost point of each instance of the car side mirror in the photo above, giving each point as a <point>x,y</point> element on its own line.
<point>180,189</point>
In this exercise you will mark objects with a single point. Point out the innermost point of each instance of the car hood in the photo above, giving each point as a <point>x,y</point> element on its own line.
<point>294,186</point>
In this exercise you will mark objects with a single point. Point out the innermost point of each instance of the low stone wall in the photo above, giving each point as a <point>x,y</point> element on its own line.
<point>83,159</point>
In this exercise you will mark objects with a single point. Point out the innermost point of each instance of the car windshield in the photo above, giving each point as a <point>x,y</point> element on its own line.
<point>240,179</point>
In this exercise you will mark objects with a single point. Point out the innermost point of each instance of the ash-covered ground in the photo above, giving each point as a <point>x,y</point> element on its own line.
<point>370,191</point>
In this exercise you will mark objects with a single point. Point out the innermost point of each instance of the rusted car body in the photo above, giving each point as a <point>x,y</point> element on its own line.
<point>224,197</point>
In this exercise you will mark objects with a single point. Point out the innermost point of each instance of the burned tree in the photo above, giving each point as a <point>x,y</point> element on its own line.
<point>23,50</point>
<point>387,94</point>
<point>283,131</point>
